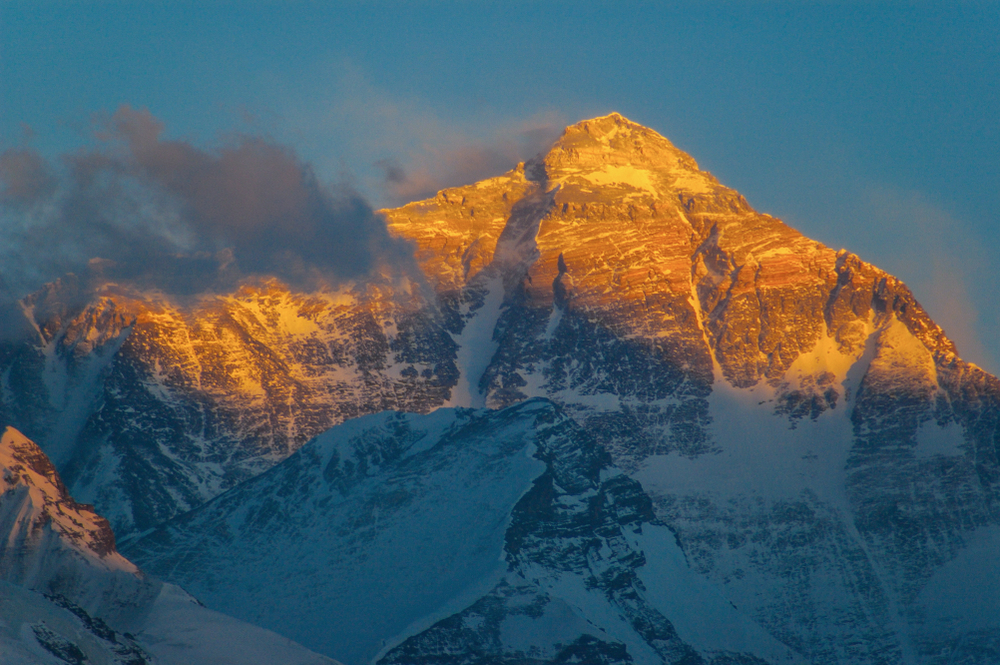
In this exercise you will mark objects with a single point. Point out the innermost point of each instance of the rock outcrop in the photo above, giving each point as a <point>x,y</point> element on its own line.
<point>814,439</point>
<point>68,596</point>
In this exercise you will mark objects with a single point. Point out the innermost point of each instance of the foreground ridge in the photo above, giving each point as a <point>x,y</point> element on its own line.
<point>462,536</point>
<point>67,596</point>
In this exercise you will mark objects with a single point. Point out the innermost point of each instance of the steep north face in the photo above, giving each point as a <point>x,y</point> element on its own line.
<point>807,430</point>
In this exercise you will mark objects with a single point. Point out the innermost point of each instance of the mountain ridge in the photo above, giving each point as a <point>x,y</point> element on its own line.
<point>68,596</point>
<point>568,542</point>
<point>693,337</point>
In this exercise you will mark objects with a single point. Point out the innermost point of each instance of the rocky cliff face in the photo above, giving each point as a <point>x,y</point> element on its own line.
<point>823,454</point>
<point>699,340</point>
<point>67,595</point>
<point>54,544</point>
<point>464,536</point>
<point>151,407</point>
<point>632,280</point>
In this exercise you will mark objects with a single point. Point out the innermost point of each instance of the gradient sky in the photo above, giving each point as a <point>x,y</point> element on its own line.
<point>869,126</point>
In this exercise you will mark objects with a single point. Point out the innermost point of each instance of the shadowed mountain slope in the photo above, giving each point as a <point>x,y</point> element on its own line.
<point>67,596</point>
<point>813,438</point>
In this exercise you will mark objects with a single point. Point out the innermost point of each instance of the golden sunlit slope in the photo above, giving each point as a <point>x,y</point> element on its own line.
<point>151,406</point>
<point>795,414</point>
<point>792,412</point>
<point>638,237</point>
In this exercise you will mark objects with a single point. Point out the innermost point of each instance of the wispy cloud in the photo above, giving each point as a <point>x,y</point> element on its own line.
<point>25,177</point>
<point>404,148</point>
<point>943,263</point>
<point>434,169</point>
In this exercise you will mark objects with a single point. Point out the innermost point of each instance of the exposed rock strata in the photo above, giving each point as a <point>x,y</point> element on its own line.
<point>650,287</point>
<point>614,277</point>
<point>151,408</point>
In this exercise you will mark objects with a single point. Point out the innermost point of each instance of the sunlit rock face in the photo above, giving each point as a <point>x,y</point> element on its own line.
<point>810,434</point>
<point>809,431</point>
<point>151,407</point>
<point>53,544</point>
<point>629,280</point>
<point>68,596</point>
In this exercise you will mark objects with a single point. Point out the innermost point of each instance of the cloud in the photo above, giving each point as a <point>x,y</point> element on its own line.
<point>170,215</point>
<point>405,148</point>
<point>24,177</point>
<point>434,169</point>
<point>944,264</point>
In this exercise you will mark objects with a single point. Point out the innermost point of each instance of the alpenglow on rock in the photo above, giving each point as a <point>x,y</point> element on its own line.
<point>808,431</point>
<point>67,596</point>
<point>823,454</point>
<point>150,407</point>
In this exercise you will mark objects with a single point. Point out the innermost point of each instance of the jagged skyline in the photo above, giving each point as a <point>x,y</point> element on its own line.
<point>867,127</point>
<point>708,439</point>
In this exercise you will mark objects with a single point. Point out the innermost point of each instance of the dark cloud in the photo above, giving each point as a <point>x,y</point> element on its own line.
<point>25,178</point>
<point>438,169</point>
<point>170,215</point>
<point>394,172</point>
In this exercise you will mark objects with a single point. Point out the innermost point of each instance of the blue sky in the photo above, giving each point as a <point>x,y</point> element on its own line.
<point>869,126</point>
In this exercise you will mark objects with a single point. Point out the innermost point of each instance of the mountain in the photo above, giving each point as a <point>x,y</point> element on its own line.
<point>808,431</point>
<point>823,455</point>
<point>461,536</point>
<point>54,544</point>
<point>150,407</point>
<point>67,595</point>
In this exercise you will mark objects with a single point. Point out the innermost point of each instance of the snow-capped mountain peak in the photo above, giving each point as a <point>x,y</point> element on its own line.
<point>40,521</point>
<point>67,595</point>
<point>812,437</point>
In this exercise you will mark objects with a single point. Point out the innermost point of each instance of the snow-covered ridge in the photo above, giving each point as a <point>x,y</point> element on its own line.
<point>405,538</point>
<point>36,499</point>
<point>51,542</point>
<point>810,434</point>
<point>67,596</point>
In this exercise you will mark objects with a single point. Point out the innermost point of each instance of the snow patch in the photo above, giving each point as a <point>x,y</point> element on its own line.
<point>696,607</point>
<point>900,352</point>
<point>825,358</point>
<point>761,454</point>
<point>593,606</point>
<point>179,631</point>
<point>359,542</point>
<point>622,175</point>
<point>476,347</point>
<point>693,182</point>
